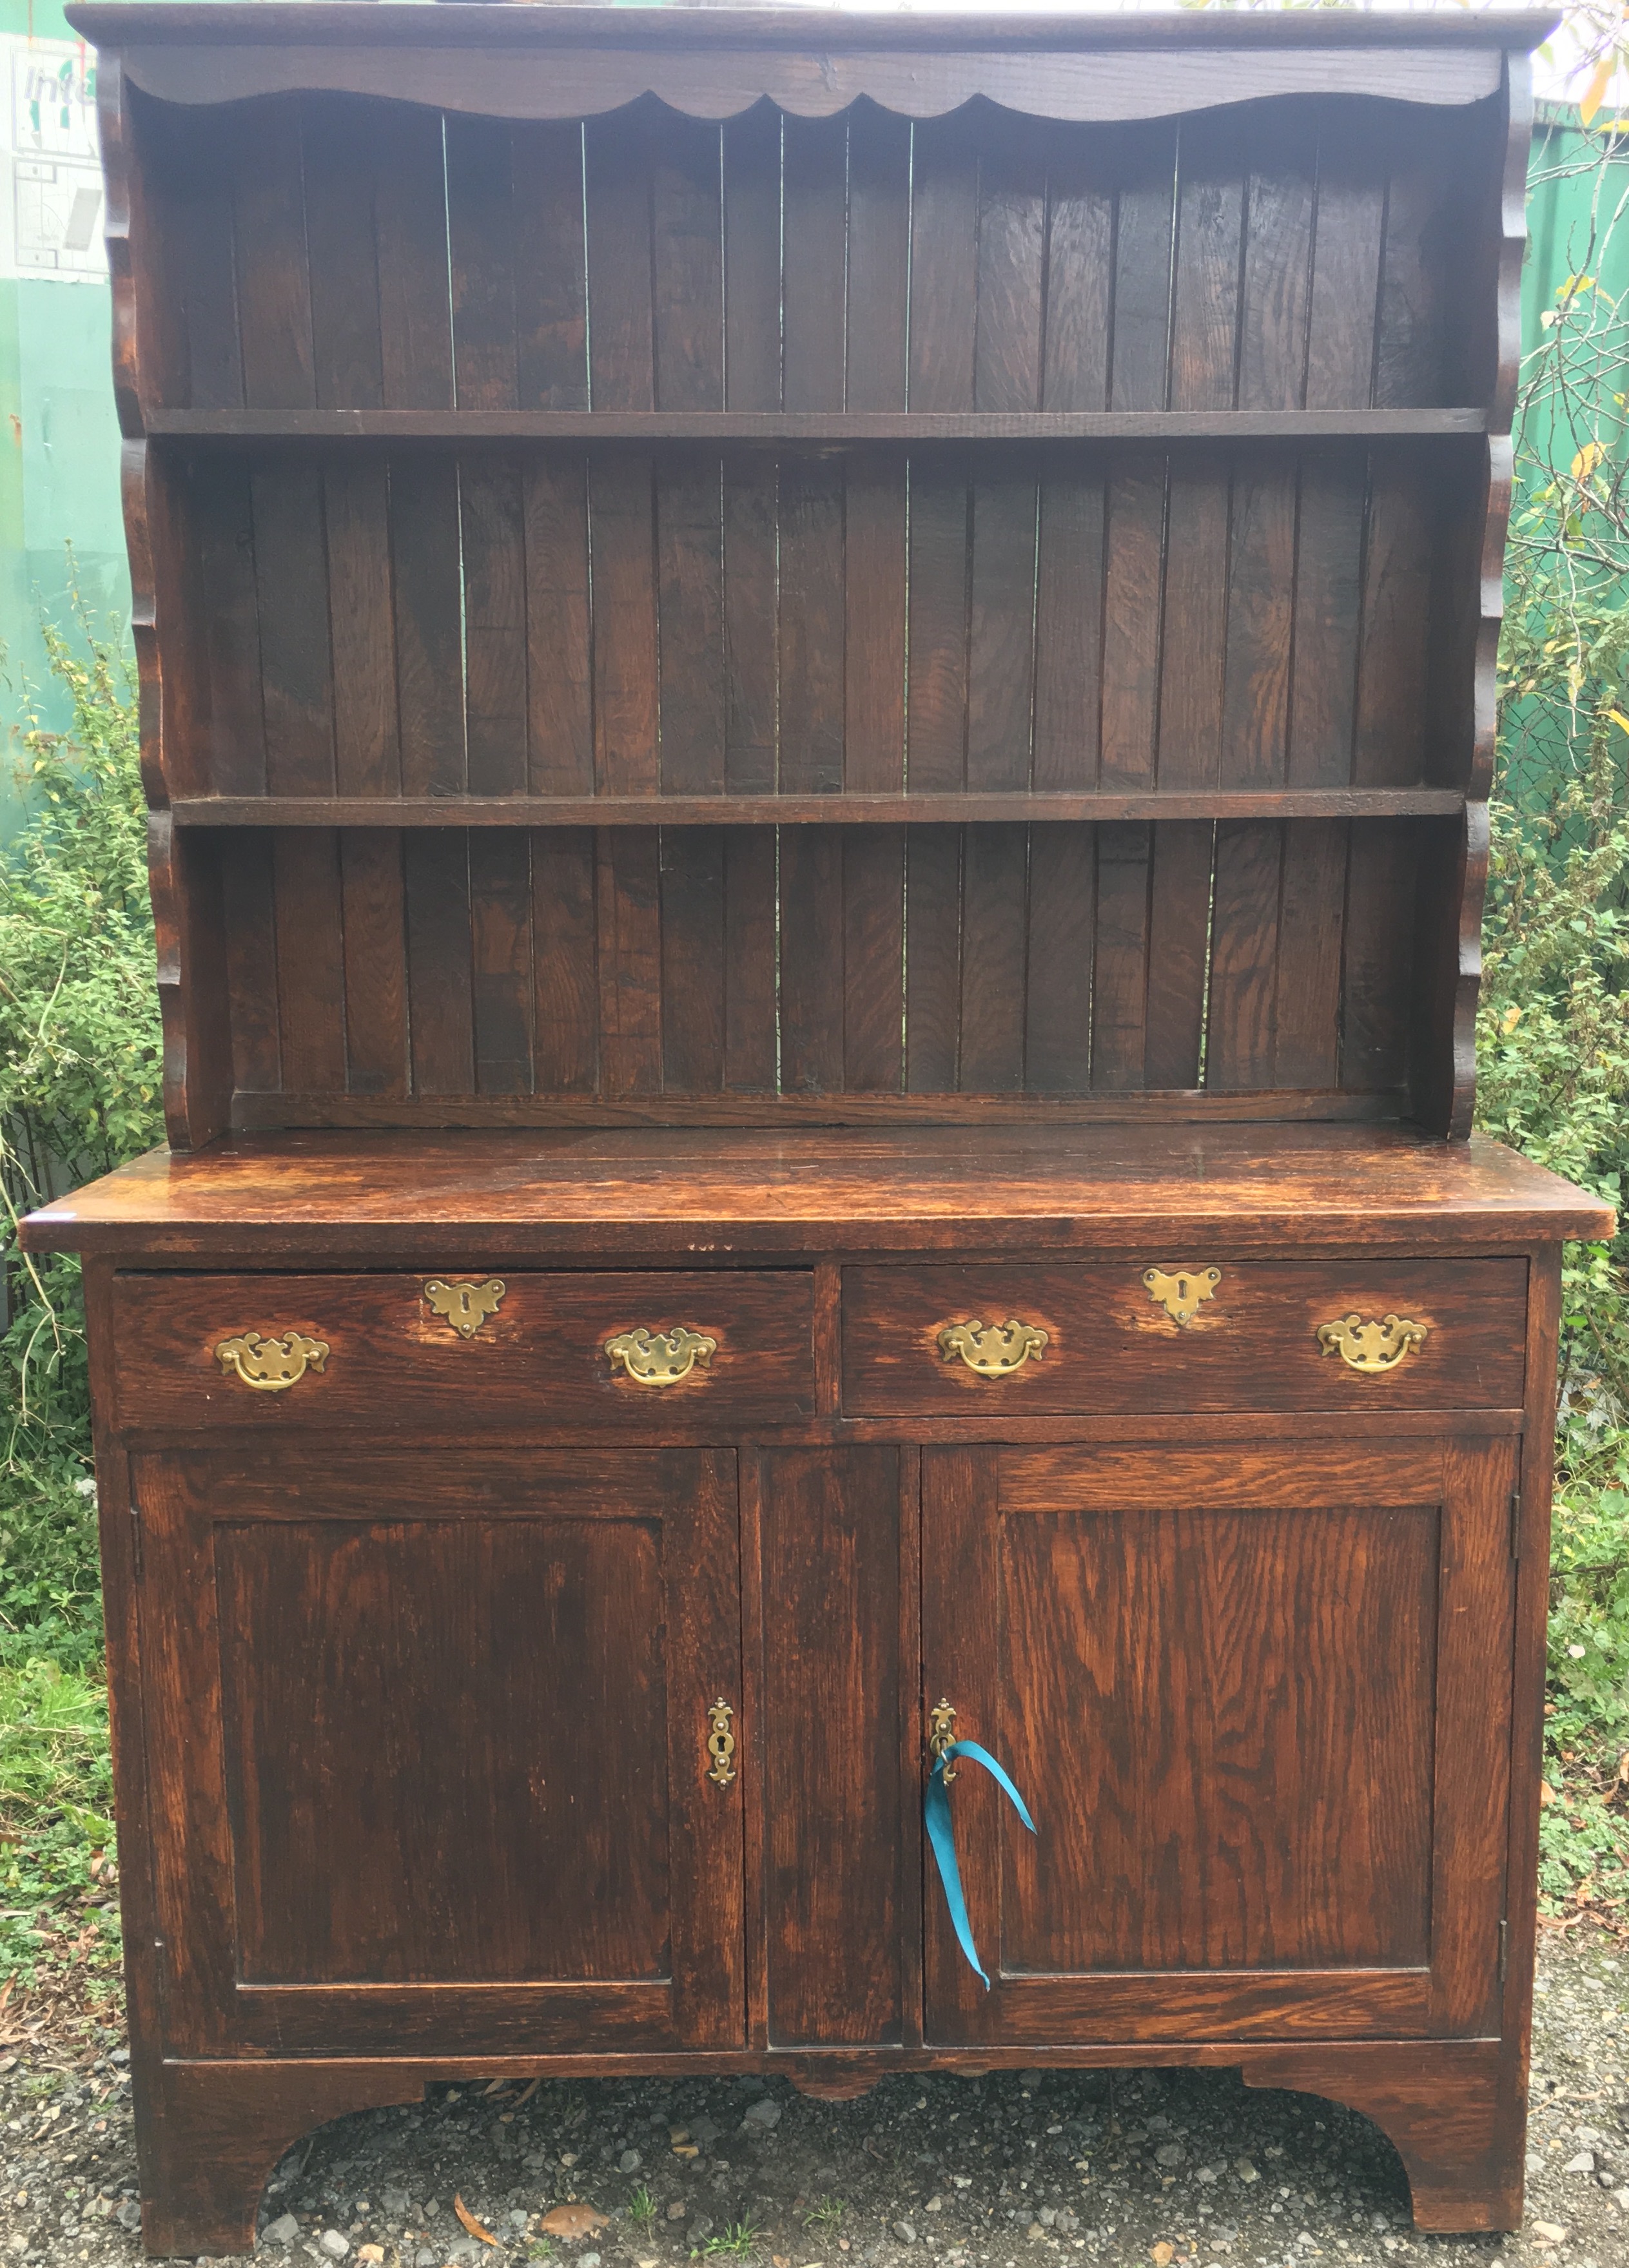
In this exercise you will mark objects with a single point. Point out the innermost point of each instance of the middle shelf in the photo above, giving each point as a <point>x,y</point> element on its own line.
<point>826,428</point>
<point>557,634</point>
<point>808,810</point>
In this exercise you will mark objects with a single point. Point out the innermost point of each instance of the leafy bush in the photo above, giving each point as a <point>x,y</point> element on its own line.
<point>1553,1027</point>
<point>79,1092</point>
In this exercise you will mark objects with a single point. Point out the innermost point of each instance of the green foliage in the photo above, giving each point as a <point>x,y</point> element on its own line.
<point>738,2242</point>
<point>1553,1031</point>
<point>1553,1027</point>
<point>79,1093</point>
<point>57,1884</point>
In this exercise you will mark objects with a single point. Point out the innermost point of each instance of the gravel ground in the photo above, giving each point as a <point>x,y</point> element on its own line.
<point>1010,2171</point>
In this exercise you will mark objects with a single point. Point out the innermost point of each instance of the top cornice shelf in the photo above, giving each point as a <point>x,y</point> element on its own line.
<point>481,23</point>
<point>713,63</point>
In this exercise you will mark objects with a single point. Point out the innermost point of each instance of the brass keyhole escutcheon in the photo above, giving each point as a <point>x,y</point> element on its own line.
<point>465,1306</point>
<point>1372,1347</point>
<point>271,1365</point>
<point>941,1732</point>
<point>1182,1290</point>
<point>720,1743</point>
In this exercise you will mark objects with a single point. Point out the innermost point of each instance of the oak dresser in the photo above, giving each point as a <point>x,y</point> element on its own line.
<point>817,703</point>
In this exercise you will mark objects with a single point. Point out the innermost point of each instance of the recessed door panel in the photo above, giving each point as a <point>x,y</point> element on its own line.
<point>429,1744</point>
<point>445,1749</point>
<point>1259,1703</point>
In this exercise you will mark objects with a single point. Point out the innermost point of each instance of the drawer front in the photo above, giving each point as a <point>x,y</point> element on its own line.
<point>395,1351</point>
<point>1164,1333</point>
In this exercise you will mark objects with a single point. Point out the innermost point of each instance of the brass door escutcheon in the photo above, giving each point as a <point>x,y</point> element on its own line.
<point>465,1306</point>
<point>1370,1347</point>
<point>720,1743</point>
<point>661,1357</point>
<point>271,1365</point>
<point>1181,1292</point>
<point>941,1731</point>
<point>994,1349</point>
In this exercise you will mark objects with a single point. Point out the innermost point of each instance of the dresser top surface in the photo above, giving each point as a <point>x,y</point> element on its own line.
<point>683,1193</point>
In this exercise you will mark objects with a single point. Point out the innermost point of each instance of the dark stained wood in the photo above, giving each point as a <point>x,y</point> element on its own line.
<point>692,691</point>
<point>484,256</point>
<point>810,662</point>
<point>346,316</point>
<point>272,278</point>
<point>765,426</point>
<point>625,701</point>
<point>410,246</point>
<point>1117,1576</point>
<point>693,961</point>
<point>558,660</point>
<point>439,964</point>
<point>548,1337</point>
<point>813,226</point>
<point>367,754</point>
<point>750,171</point>
<point>493,549</point>
<point>628,1936</point>
<point>878,193</point>
<point>1057,988</point>
<point>373,911</point>
<point>500,902</point>
<point>864,808</point>
<point>428,604</point>
<point>767,27</point>
<point>628,930</point>
<point>1253,1346</point>
<point>811,676</point>
<point>311,988</point>
<point>622,353</point>
<point>295,665</point>
<point>750,517</point>
<point>834,1866</point>
<point>550,283</point>
<point>565,1016</point>
<point>687,280</point>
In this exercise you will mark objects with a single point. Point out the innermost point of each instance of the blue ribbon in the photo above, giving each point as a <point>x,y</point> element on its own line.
<point>942,1835</point>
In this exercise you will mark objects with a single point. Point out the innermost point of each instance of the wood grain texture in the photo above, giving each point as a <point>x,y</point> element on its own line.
<point>1069,1595</point>
<point>834,1871</point>
<point>1253,1344</point>
<point>1178,966</point>
<point>995,1188</point>
<point>643,1943</point>
<point>761,1368</point>
<point>1161,1655</point>
<point>1014,292</point>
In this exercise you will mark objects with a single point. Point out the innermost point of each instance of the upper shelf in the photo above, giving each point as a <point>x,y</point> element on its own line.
<point>812,426</point>
<point>325,265</point>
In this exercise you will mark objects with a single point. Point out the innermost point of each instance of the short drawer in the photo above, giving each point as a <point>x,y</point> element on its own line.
<point>645,1350</point>
<point>1162,1334</point>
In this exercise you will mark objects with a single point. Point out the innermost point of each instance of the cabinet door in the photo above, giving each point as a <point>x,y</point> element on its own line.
<point>1258,1702</point>
<point>427,1749</point>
